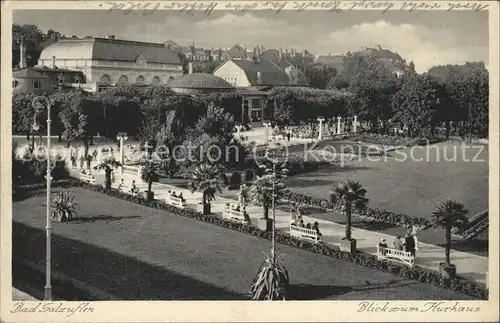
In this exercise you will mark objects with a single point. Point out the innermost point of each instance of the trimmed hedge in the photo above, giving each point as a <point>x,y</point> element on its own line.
<point>468,287</point>
<point>376,215</point>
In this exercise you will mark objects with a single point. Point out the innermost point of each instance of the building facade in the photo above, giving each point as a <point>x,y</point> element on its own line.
<point>110,61</point>
<point>29,80</point>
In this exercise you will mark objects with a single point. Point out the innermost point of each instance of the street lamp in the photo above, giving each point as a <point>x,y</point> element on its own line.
<point>121,137</point>
<point>320,120</point>
<point>40,103</point>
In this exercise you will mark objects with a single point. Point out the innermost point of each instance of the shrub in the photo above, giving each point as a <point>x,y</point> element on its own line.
<point>249,175</point>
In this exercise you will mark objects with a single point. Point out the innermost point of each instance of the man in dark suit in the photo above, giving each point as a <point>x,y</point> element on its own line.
<point>410,244</point>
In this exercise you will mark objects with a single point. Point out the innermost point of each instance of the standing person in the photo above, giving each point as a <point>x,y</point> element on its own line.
<point>94,154</point>
<point>89,160</point>
<point>410,244</point>
<point>398,244</point>
<point>82,161</point>
<point>414,233</point>
<point>73,160</point>
<point>288,134</point>
<point>383,244</point>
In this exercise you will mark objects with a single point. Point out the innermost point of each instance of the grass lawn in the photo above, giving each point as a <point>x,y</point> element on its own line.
<point>135,252</point>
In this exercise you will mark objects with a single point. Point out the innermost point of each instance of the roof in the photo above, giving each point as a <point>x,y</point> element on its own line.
<point>199,52</point>
<point>28,73</point>
<point>199,81</point>
<point>296,76</point>
<point>270,55</point>
<point>110,50</point>
<point>330,59</point>
<point>237,52</point>
<point>56,70</point>
<point>270,73</point>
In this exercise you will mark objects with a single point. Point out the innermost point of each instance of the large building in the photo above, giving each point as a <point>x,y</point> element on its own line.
<point>110,61</point>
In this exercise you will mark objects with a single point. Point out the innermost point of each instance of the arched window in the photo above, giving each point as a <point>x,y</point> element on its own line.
<point>140,80</point>
<point>156,80</point>
<point>140,60</point>
<point>123,79</point>
<point>170,79</point>
<point>105,79</point>
<point>37,84</point>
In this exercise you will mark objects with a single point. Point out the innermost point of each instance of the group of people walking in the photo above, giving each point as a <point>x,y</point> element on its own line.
<point>410,243</point>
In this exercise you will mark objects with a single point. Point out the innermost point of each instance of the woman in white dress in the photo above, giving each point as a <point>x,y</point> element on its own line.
<point>414,232</point>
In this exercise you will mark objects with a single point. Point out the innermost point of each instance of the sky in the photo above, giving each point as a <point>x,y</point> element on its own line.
<point>428,38</point>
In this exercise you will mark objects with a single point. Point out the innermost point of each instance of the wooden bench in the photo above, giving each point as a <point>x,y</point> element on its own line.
<point>128,189</point>
<point>304,233</point>
<point>88,178</point>
<point>176,201</point>
<point>230,213</point>
<point>395,255</point>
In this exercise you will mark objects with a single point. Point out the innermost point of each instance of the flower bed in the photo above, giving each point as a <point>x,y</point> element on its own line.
<point>471,288</point>
<point>375,215</point>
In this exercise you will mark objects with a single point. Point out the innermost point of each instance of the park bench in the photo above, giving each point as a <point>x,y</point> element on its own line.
<point>128,189</point>
<point>395,255</point>
<point>88,178</point>
<point>230,213</point>
<point>304,233</point>
<point>176,201</point>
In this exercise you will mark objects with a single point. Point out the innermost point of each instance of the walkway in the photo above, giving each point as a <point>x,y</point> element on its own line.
<point>428,256</point>
<point>18,295</point>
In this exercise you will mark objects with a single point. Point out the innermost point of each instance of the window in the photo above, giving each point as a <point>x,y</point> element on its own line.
<point>123,79</point>
<point>140,80</point>
<point>156,80</point>
<point>37,84</point>
<point>105,79</point>
<point>255,103</point>
<point>14,83</point>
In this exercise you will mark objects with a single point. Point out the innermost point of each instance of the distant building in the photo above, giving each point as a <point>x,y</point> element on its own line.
<point>29,80</point>
<point>237,53</point>
<point>109,61</point>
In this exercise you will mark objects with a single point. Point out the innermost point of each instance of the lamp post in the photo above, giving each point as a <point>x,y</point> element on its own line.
<point>40,103</point>
<point>338,124</point>
<point>267,124</point>
<point>122,136</point>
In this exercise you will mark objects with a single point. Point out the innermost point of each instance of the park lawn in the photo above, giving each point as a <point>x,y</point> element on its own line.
<point>410,187</point>
<point>135,252</point>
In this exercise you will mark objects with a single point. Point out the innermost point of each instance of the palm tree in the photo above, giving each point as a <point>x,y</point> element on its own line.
<point>272,282</point>
<point>207,179</point>
<point>449,214</point>
<point>107,165</point>
<point>64,205</point>
<point>149,173</point>
<point>347,197</point>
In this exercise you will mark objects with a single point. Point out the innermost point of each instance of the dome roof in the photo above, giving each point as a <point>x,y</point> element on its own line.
<point>199,81</point>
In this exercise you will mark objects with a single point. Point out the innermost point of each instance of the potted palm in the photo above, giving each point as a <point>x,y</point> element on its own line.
<point>149,174</point>
<point>347,197</point>
<point>108,165</point>
<point>449,214</point>
<point>261,193</point>
<point>208,180</point>
<point>64,206</point>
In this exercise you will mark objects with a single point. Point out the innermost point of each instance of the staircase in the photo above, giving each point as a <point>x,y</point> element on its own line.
<point>477,224</point>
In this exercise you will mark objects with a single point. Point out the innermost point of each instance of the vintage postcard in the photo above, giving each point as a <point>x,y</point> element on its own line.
<point>249,161</point>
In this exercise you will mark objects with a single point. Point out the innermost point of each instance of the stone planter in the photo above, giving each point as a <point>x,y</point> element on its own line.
<point>447,271</point>
<point>265,225</point>
<point>203,208</point>
<point>148,195</point>
<point>348,245</point>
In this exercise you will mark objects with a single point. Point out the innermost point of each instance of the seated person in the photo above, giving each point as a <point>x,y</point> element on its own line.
<point>121,184</point>
<point>181,197</point>
<point>383,244</point>
<point>237,208</point>
<point>308,226</point>
<point>173,194</point>
<point>83,171</point>
<point>316,228</point>
<point>301,223</point>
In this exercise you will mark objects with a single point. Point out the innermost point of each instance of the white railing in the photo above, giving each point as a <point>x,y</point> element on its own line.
<point>230,213</point>
<point>88,178</point>
<point>304,233</point>
<point>176,201</point>
<point>400,256</point>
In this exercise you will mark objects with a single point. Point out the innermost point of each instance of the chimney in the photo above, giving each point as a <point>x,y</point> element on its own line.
<point>53,62</point>
<point>190,68</point>
<point>22,53</point>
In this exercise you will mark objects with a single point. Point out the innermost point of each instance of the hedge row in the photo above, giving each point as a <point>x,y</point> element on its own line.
<point>376,215</point>
<point>471,288</point>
